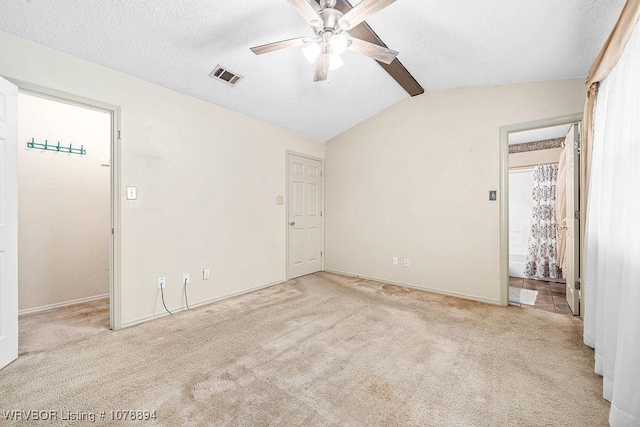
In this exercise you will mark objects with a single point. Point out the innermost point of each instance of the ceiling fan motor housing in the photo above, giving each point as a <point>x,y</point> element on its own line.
<point>327,4</point>
<point>330,17</point>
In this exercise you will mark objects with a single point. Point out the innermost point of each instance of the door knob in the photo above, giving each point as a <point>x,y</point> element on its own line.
<point>292,223</point>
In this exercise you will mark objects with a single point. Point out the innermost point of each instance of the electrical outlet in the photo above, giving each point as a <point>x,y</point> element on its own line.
<point>406,262</point>
<point>206,273</point>
<point>394,260</point>
<point>162,282</point>
<point>186,279</point>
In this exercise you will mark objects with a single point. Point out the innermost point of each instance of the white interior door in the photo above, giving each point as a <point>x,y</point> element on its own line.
<point>572,142</point>
<point>304,217</point>
<point>8,223</point>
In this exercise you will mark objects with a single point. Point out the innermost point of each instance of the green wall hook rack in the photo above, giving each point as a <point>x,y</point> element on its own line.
<point>56,147</point>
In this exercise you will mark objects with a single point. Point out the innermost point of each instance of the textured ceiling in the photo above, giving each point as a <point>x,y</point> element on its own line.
<point>444,44</point>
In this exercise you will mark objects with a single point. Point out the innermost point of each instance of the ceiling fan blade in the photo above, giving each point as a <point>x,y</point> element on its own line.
<point>362,11</point>
<point>322,68</point>
<point>396,70</point>
<point>371,50</point>
<point>304,8</point>
<point>271,47</point>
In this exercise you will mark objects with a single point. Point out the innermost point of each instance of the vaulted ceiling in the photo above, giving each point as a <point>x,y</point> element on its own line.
<point>444,44</point>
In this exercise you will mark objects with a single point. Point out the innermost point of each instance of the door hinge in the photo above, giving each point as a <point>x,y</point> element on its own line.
<point>111,230</point>
<point>320,174</point>
<point>576,214</point>
<point>577,285</point>
<point>320,253</point>
<point>320,213</point>
<point>119,135</point>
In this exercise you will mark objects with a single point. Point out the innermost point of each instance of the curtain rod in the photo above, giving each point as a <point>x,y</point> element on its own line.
<point>515,168</point>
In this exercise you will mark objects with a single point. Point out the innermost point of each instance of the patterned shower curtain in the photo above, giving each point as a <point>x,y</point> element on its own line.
<point>542,253</point>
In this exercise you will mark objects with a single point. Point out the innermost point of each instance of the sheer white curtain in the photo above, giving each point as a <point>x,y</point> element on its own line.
<point>612,264</point>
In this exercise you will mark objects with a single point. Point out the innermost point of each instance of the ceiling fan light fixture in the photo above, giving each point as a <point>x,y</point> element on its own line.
<point>311,52</point>
<point>331,39</point>
<point>338,43</point>
<point>335,61</point>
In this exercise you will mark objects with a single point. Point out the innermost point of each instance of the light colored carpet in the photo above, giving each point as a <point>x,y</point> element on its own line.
<point>324,350</point>
<point>522,296</point>
<point>51,329</point>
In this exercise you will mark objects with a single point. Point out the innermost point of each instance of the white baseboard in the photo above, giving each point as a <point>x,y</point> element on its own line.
<point>418,287</point>
<point>199,304</point>
<point>61,304</point>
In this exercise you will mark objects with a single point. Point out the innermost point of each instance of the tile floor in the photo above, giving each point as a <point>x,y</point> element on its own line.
<point>551,296</point>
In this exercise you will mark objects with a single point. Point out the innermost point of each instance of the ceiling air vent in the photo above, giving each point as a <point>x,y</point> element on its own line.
<point>225,76</point>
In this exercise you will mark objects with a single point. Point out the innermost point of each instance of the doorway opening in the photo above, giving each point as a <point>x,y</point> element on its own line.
<point>540,230</point>
<point>67,199</point>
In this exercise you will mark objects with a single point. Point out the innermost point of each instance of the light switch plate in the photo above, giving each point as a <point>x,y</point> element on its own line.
<point>280,200</point>
<point>394,260</point>
<point>132,193</point>
<point>206,273</point>
<point>493,195</point>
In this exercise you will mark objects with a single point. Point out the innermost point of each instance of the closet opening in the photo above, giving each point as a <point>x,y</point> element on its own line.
<point>540,215</point>
<point>65,219</point>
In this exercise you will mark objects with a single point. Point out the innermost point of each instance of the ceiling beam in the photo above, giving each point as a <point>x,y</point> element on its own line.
<point>396,70</point>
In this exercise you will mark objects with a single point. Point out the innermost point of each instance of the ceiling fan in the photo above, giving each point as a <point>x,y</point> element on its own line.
<point>332,38</point>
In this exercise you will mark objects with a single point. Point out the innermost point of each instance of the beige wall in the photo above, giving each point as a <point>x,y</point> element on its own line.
<point>414,180</point>
<point>207,182</point>
<point>63,236</point>
<point>534,158</point>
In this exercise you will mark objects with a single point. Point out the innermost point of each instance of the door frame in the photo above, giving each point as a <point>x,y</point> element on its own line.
<point>115,285</point>
<point>504,191</point>
<point>286,206</point>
